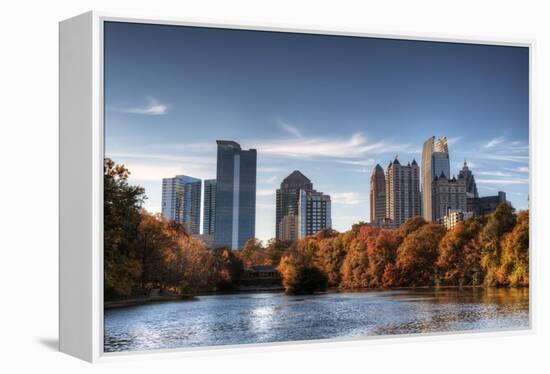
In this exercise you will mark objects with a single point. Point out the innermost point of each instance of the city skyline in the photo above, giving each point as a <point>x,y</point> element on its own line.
<point>330,117</point>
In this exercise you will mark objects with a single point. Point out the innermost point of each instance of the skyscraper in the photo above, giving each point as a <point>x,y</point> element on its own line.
<point>448,195</point>
<point>471,187</point>
<point>314,213</point>
<point>209,207</point>
<point>402,192</point>
<point>377,194</point>
<point>181,201</point>
<point>235,220</point>
<point>435,160</point>
<point>287,204</point>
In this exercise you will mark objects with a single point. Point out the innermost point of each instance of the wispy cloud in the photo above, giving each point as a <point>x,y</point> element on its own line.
<point>503,181</point>
<point>152,108</point>
<point>494,142</point>
<point>292,130</point>
<point>265,192</point>
<point>347,198</point>
<point>494,173</point>
<point>519,169</point>
<point>353,147</point>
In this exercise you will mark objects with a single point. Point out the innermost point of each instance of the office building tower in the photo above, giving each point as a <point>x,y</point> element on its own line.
<point>287,197</point>
<point>314,213</point>
<point>402,192</point>
<point>181,201</point>
<point>435,161</point>
<point>377,195</point>
<point>448,194</point>
<point>209,207</point>
<point>235,220</point>
<point>471,187</point>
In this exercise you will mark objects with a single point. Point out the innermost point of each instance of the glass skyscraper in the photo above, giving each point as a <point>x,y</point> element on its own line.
<point>181,201</point>
<point>435,164</point>
<point>235,220</point>
<point>209,207</point>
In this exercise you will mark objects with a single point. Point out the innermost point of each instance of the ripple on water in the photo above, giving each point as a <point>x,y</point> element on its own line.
<point>257,318</point>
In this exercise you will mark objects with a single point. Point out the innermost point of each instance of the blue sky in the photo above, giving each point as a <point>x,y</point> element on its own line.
<point>329,106</point>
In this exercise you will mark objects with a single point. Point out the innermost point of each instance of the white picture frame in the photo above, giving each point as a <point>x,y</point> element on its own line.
<point>81,148</point>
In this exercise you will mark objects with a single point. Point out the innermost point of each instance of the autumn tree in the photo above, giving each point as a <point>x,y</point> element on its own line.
<point>460,254</point>
<point>514,268</point>
<point>275,249</point>
<point>299,270</point>
<point>416,256</point>
<point>226,269</point>
<point>331,254</point>
<point>254,253</point>
<point>501,221</point>
<point>381,254</point>
<point>121,207</point>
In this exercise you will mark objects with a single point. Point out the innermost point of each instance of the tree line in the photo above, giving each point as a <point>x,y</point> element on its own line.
<point>144,251</point>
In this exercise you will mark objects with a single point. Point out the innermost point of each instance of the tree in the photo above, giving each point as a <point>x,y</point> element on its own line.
<point>501,221</point>
<point>121,206</point>
<point>460,253</point>
<point>331,254</point>
<point>417,255</point>
<point>514,268</point>
<point>299,271</point>
<point>355,266</point>
<point>226,269</point>
<point>254,253</point>
<point>381,254</point>
<point>275,250</point>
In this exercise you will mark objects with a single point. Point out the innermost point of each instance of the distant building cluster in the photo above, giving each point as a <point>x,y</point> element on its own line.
<point>229,202</point>
<point>403,192</point>
<point>229,206</point>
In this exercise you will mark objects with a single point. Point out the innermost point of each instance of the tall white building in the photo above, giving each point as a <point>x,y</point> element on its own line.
<point>435,161</point>
<point>402,192</point>
<point>314,213</point>
<point>181,201</point>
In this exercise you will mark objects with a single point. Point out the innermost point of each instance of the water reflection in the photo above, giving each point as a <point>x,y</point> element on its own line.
<point>257,318</point>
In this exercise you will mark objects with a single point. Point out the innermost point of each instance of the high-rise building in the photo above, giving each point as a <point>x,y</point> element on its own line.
<point>448,194</point>
<point>287,203</point>
<point>471,187</point>
<point>435,161</point>
<point>235,220</point>
<point>181,201</point>
<point>377,194</point>
<point>402,191</point>
<point>314,213</point>
<point>209,207</point>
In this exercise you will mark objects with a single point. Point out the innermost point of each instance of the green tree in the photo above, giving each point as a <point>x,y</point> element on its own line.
<point>121,206</point>
<point>275,250</point>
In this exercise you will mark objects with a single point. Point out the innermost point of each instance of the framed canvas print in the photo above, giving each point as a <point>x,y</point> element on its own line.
<point>223,186</point>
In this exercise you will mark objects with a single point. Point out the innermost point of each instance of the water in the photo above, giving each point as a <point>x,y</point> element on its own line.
<point>275,317</point>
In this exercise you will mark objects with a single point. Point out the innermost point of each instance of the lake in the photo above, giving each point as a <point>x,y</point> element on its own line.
<point>275,317</point>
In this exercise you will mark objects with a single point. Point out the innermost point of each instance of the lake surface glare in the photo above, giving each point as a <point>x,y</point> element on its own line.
<point>274,317</point>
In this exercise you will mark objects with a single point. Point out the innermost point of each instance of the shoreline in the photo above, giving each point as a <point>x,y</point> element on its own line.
<point>114,304</point>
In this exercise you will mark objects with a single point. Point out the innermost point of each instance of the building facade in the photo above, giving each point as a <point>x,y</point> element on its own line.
<point>486,204</point>
<point>235,218</point>
<point>453,217</point>
<point>209,207</point>
<point>435,161</point>
<point>402,192</point>
<point>471,187</point>
<point>377,194</point>
<point>287,198</point>
<point>181,201</point>
<point>448,195</point>
<point>314,213</point>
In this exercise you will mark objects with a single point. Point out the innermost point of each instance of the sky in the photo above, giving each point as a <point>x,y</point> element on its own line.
<point>330,106</point>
